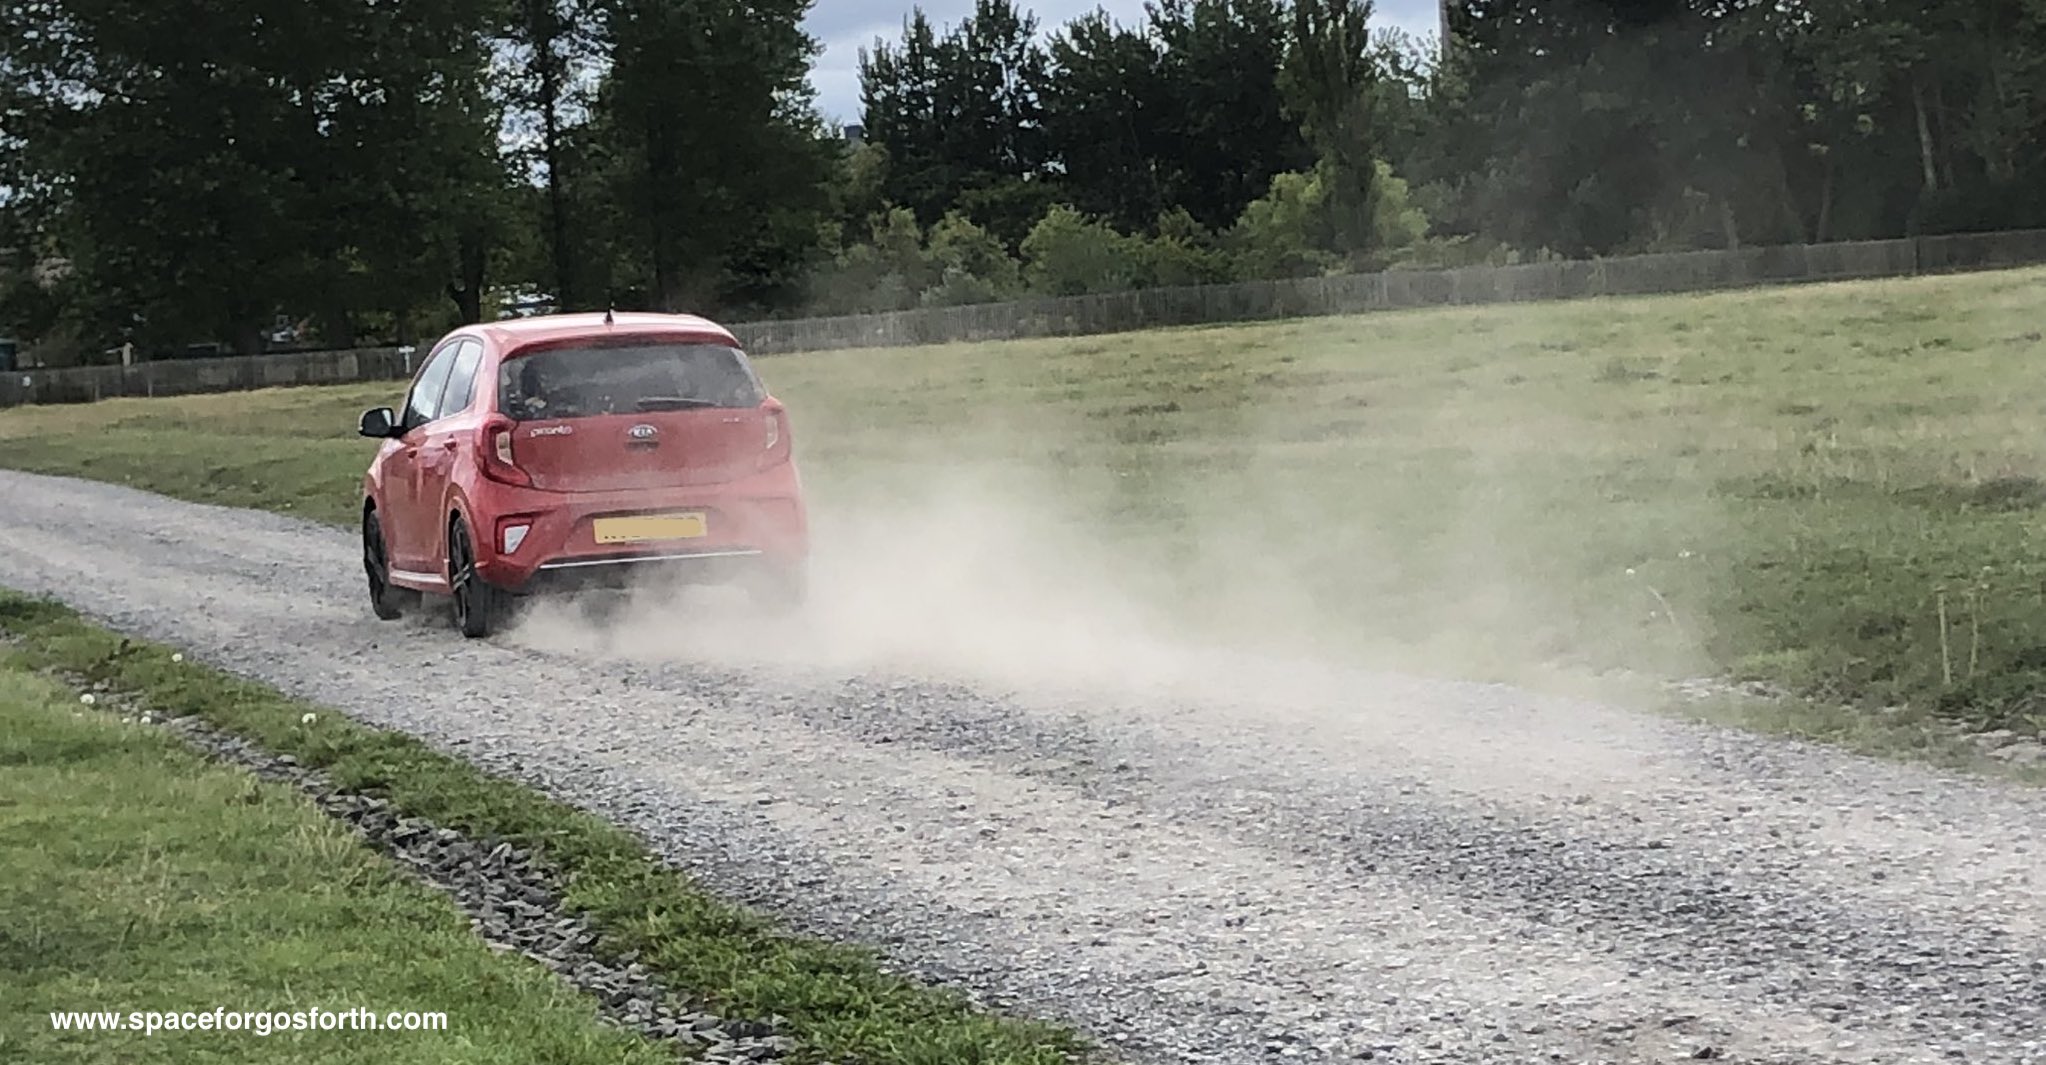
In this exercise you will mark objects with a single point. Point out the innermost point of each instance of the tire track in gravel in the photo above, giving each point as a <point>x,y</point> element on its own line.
<point>1294,878</point>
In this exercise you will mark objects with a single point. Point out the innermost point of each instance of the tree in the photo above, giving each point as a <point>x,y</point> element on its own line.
<point>1329,79</point>
<point>713,152</point>
<point>142,136</point>
<point>960,118</point>
<point>413,157</point>
<point>905,119</point>
<point>1106,120</point>
<point>204,170</point>
<point>551,51</point>
<point>1226,127</point>
<point>988,75</point>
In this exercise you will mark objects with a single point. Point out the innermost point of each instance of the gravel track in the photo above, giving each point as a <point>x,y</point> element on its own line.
<point>1290,867</point>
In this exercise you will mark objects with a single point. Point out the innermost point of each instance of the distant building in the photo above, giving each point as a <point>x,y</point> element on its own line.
<point>854,135</point>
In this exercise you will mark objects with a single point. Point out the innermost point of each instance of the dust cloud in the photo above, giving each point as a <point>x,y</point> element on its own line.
<point>1286,558</point>
<point>977,577</point>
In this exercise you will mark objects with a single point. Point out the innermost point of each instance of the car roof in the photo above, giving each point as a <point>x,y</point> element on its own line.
<point>519,332</point>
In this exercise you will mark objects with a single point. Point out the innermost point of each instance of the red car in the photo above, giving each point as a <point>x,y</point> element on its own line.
<point>564,452</point>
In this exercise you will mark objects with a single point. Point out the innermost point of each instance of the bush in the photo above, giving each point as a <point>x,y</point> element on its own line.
<point>1287,233</point>
<point>974,266</point>
<point>1183,253</point>
<point>1290,231</point>
<point>1069,254</point>
<point>883,274</point>
<point>1280,234</point>
<point>1397,221</point>
<point>960,288</point>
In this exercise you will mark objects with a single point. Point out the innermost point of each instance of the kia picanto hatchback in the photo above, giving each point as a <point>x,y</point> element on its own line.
<point>566,452</point>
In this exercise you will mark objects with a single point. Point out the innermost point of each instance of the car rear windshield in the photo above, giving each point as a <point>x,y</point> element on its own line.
<point>580,382</point>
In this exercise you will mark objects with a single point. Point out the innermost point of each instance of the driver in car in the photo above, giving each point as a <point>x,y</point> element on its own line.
<point>532,399</point>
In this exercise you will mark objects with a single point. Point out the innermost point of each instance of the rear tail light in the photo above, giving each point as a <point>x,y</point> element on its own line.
<point>499,464</point>
<point>774,444</point>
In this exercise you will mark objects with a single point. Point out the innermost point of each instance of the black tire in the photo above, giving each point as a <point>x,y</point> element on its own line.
<point>386,600</point>
<point>480,607</point>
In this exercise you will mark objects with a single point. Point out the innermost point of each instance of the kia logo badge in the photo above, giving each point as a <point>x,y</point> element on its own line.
<point>642,432</point>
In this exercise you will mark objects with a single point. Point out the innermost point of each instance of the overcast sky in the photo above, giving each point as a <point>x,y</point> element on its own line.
<point>844,26</point>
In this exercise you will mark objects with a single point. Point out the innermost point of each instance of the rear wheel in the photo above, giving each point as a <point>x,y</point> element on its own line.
<point>387,601</point>
<point>480,607</point>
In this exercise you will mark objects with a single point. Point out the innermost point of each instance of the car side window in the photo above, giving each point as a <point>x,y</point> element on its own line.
<point>461,380</point>
<point>423,405</point>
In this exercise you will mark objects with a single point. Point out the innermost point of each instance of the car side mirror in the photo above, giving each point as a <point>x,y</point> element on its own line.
<point>380,423</point>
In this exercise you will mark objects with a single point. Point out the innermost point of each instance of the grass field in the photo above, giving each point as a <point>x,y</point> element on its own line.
<point>139,879</point>
<point>1834,487</point>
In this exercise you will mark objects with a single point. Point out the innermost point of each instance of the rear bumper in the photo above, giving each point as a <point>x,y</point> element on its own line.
<point>626,571</point>
<point>749,524</point>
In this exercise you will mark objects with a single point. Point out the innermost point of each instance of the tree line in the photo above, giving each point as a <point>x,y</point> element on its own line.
<point>333,171</point>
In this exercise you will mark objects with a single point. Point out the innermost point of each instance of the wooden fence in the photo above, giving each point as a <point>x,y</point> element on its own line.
<point>1699,271</point>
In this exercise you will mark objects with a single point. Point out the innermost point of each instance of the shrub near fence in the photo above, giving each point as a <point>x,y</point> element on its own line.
<point>1698,271</point>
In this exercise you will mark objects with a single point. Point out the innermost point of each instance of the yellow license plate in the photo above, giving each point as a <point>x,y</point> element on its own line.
<point>650,527</point>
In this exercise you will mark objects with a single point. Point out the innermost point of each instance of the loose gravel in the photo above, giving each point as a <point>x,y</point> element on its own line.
<point>1279,864</point>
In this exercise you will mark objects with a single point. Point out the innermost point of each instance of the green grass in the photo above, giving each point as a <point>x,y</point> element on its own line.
<point>138,878</point>
<point>1836,488</point>
<point>213,898</point>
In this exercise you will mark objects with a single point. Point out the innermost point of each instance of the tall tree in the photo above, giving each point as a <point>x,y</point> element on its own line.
<point>960,118</point>
<point>551,52</point>
<point>159,140</point>
<point>206,169</point>
<point>901,111</point>
<point>411,151</point>
<point>1106,121</point>
<point>716,157</point>
<point>1228,127</point>
<point>1329,80</point>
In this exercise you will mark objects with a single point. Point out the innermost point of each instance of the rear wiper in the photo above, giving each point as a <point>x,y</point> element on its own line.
<point>673,403</point>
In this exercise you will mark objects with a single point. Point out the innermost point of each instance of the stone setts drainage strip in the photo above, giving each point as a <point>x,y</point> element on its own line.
<point>511,899</point>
